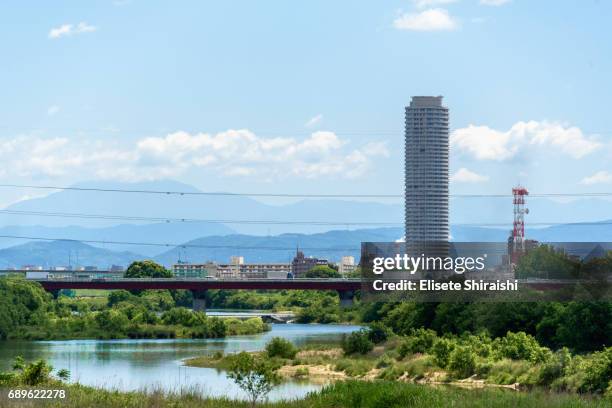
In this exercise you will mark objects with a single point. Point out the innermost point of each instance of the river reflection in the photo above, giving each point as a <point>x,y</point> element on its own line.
<point>154,364</point>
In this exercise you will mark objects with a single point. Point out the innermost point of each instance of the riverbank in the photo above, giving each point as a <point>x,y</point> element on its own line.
<point>350,394</point>
<point>29,313</point>
<point>515,361</point>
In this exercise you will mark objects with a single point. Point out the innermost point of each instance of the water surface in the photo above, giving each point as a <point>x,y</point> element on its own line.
<point>154,364</point>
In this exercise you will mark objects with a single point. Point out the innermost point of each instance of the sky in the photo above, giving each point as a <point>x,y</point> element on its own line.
<point>303,96</point>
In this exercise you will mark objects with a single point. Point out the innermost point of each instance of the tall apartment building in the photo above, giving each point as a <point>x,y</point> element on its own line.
<point>426,172</point>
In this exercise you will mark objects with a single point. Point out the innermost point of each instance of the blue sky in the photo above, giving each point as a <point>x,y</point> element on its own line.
<point>304,97</point>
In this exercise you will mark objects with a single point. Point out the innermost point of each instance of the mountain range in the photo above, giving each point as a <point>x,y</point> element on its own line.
<point>214,227</point>
<point>230,210</point>
<point>329,245</point>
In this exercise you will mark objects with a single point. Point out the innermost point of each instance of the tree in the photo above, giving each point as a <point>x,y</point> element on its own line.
<point>147,269</point>
<point>21,302</point>
<point>117,296</point>
<point>545,262</point>
<point>378,332</point>
<point>63,374</point>
<point>254,376</point>
<point>357,342</point>
<point>322,271</point>
<point>279,347</point>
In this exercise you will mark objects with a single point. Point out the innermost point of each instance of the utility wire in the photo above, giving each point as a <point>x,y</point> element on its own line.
<point>286,195</point>
<point>159,244</point>
<point>266,222</point>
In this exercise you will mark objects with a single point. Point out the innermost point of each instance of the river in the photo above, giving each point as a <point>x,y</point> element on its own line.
<point>157,364</point>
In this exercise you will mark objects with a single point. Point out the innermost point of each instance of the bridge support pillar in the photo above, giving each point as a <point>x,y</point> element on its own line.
<point>199,300</point>
<point>55,293</point>
<point>346,298</point>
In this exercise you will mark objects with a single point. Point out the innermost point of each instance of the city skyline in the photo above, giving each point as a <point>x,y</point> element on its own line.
<point>239,107</point>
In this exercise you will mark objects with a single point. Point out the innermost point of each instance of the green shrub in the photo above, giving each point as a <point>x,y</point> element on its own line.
<point>419,341</point>
<point>279,347</point>
<point>507,371</point>
<point>378,333</point>
<point>353,367</point>
<point>357,342</point>
<point>462,361</point>
<point>520,346</point>
<point>384,361</point>
<point>441,351</point>
<point>555,367</point>
<point>301,372</point>
<point>597,369</point>
<point>391,373</point>
<point>480,344</point>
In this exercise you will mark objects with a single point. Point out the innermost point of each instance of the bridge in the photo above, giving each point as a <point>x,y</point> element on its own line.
<point>345,287</point>
<point>268,317</point>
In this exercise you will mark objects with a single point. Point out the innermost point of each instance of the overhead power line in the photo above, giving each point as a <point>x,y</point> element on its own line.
<point>190,220</point>
<point>285,195</point>
<point>267,222</point>
<point>170,245</point>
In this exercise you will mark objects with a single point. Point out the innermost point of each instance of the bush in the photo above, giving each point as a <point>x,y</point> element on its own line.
<point>183,317</point>
<point>506,371</point>
<point>279,347</point>
<point>462,361</point>
<point>441,351</point>
<point>555,367</point>
<point>597,370</point>
<point>378,333</point>
<point>419,341</point>
<point>520,346</point>
<point>357,342</point>
<point>384,362</point>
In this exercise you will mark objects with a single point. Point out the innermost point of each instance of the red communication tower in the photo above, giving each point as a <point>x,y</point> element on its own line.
<point>518,231</point>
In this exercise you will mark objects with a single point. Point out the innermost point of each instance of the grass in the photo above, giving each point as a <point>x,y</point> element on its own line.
<point>102,293</point>
<point>353,394</point>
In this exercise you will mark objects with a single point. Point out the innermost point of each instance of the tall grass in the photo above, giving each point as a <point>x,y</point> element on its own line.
<point>350,394</point>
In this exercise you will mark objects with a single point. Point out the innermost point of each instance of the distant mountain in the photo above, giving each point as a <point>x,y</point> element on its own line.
<point>592,232</point>
<point>195,207</point>
<point>329,245</point>
<point>334,244</point>
<point>173,232</point>
<point>484,210</point>
<point>60,253</point>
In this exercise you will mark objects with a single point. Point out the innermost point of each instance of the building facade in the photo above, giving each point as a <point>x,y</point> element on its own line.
<point>194,271</point>
<point>302,264</point>
<point>346,265</point>
<point>426,172</point>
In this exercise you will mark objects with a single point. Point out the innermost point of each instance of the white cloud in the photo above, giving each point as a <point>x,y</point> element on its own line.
<point>421,4</point>
<point>464,175</point>
<point>601,177</point>
<point>484,143</point>
<point>70,29</point>
<point>494,3</point>
<point>231,153</point>
<point>53,110</point>
<point>435,19</point>
<point>314,121</point>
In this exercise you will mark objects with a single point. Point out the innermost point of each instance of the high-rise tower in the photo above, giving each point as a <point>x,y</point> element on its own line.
<point>426,171</point>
